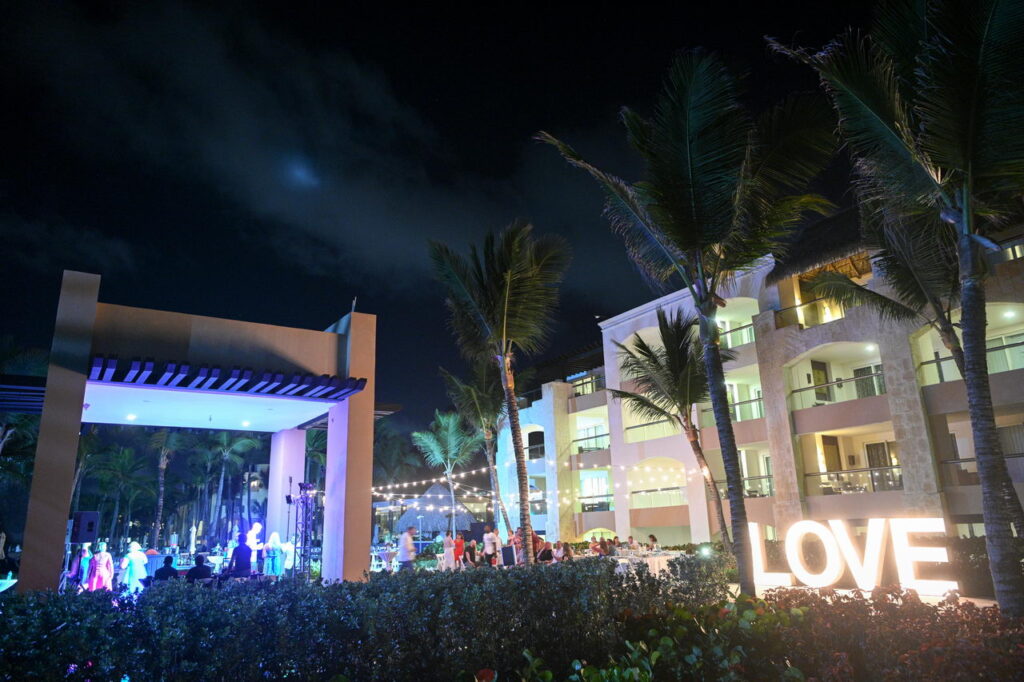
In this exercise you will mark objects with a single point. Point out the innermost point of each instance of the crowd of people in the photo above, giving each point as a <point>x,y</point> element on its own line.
<point>244,557</point>
<point>459,554</point>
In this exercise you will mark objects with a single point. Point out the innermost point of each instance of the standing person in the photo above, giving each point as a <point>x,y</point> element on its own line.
<point>406,549</point>
<point>240,565</point>
<point>448,563</point>
<point>133,568</point>
<point>101,569</point>
<point>273,556</point>
<point>490,546</point>
<point>460,551</point>
<point>79,569</point>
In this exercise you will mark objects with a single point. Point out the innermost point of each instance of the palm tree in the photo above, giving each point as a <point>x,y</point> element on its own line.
<point>670,383</point>
<point>932,110</point>
<point>500,301</point>
<point>482,404</point>
<point>89,444</point>
<point>393,456</point>
<point>721,188</point>
<point>917,260</point>
<point>167,443</point>
<point>229,448</point>
<point>447,446</point>
<point>316,455</point>
<point>201,464</point>
<point>120,471</point>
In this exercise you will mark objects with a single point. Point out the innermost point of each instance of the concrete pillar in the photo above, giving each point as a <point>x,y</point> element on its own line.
<point>287,469</point>
<point>57,447</point>
<point>909,421</point>
<point>348,512</point>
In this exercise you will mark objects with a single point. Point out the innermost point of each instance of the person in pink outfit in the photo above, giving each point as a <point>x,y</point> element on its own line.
<point>101,569</point>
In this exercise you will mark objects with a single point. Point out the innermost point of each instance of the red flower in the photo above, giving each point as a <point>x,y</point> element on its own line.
<point>485,675</point>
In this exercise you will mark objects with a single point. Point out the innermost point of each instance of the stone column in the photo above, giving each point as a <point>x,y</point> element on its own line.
<point>287,469</point>
<point>57,447</point>
<point>909,422</point>
<point>348,502</point>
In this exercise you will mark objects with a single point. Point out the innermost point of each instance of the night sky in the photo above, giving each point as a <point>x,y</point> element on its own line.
<point>270,163</point>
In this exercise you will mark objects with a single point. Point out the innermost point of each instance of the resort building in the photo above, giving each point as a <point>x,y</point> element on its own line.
<point>837,414</point>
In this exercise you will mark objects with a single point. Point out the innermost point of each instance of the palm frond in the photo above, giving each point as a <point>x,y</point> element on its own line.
<point>848,294</point>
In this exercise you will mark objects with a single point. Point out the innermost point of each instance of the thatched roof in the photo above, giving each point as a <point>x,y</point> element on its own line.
<point>429,507</point>
<point>819,243</point>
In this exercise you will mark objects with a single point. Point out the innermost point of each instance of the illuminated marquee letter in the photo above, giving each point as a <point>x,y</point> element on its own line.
<point>908,555</point>
<point>794,554</point>
<point>761,575</point>
<point>866,573</point>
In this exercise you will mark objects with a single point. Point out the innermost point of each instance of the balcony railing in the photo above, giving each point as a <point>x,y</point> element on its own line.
<point>738,412</point>
<point>837,391</point>
<point>875,480</point>
<point>524,400</point>
<point>1010,249</point>
<point>999,359</point>
<point>590,443</point>
<point>535,451</point>
<point>597,503</point>
<point>810,314</point>
<point>589,384</point>
<point>737,336</point>
<point>657,497</point>
<point>753,486</point>
<point>650,431</point>
<point>958,472</point>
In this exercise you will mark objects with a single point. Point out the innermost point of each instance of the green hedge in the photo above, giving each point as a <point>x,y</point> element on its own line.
<point>414,625</point>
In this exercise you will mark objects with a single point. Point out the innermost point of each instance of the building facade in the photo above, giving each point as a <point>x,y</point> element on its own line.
<point>837,414</point>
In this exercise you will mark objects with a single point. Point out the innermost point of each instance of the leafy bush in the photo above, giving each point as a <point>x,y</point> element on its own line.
<point>798,634</point>
<point>426,625</point>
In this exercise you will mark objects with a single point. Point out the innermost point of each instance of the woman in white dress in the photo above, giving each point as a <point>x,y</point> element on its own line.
<point>448,560</point>
<point>133,568</point>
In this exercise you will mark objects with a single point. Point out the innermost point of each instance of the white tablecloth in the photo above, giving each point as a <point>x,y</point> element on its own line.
<point>656,563</point>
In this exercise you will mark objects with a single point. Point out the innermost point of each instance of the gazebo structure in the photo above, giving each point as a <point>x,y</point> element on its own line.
<point>113,364</point>
<point>435,518</point>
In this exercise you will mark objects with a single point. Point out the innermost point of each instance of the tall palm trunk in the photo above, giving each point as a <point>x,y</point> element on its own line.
<point>79,475</point>
<point>693,435</point>
<point>730,456</point>
<point>451,490</point>
<point>951,341</point>
<point>1004,563</point>
<point>128,519</point>
<point>160,478</point>
<point>113,519</point>
<point>248,498</point>
<point>215,511</point>
<point>509,384</point>
<point>492,469</point>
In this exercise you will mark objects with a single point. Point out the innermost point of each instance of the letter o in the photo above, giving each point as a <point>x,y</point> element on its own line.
<point>794,554</point>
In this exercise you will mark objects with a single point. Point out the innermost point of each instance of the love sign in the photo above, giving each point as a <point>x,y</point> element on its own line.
<point>841,552</point>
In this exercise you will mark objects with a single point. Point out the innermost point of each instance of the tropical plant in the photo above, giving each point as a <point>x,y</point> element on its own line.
<point>500,301</point>
<point>316,455</point>
<point>121,472</point>
<point>167,443</point>
<point>89,445</point>
<point>448,446</point>
<point>721,188</point>
<point>670,382</point>
<point>393,457</point>
<point>482,405</point>
<point>931,107</point>
<point>228,446</point>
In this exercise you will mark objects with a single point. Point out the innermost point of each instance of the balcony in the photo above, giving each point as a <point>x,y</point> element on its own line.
<point>963,472</point>
<point>590,443</point>
<point>591,383</point>
<point>1000,358</point>
<point>854,481</point>
<point>753,486</point>
<point>738,336</point>
<point>738,412</point>
<point>535,451</point>
<point>524,400</point>
<point>650,431</point>
<point>866,385</point>
<point>596,503</point>
<point>658,497</point>
<point>810,314</point>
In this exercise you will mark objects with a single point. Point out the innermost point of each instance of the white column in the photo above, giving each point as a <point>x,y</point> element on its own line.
<point>348,502</point>
<point>287,469</point>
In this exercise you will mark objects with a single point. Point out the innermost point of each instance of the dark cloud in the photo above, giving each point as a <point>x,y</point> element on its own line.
<point>45,247</point>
